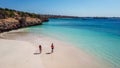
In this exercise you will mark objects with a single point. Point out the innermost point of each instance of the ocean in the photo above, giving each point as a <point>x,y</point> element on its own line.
<point>98,37</point>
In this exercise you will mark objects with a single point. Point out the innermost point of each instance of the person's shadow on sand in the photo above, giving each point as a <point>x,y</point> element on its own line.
<point>50,52</point>
<point>36,53</point>
<point>40,50</point>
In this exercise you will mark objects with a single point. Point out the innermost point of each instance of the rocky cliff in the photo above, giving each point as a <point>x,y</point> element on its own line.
<point>12,19</point>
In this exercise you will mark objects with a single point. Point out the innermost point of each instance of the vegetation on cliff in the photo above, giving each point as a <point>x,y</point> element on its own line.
<point>12,19</point>
<point>9,13</point>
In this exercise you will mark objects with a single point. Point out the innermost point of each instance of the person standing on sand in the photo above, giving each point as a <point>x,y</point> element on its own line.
<point>52,48</point>
<point>40,48</point>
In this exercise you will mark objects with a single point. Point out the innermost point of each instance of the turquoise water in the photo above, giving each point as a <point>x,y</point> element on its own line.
<point>99,37</point>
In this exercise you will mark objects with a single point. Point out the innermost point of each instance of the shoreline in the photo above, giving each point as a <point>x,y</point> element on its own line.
<point>64,56</point>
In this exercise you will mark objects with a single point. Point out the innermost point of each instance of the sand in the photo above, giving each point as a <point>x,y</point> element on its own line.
<point>18,50</point>
<point>18,54</point>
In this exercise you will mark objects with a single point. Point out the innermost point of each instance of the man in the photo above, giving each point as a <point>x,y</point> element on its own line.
<point>40,48</point>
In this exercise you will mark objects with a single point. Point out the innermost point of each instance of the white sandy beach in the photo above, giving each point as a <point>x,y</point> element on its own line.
<point>17,50</point>
<point>16,54</point>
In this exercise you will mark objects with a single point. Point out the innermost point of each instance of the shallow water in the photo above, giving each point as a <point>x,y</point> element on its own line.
<point>98,37</point>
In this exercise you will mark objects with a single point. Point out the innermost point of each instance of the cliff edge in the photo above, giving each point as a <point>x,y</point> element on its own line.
<point>12,19</point>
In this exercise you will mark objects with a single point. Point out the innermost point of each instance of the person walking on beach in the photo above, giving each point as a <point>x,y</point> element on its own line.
<point>52,48</point>
<point>40,48</point>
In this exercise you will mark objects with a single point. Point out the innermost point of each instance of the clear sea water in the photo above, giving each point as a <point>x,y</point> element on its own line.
<point>99,37</point>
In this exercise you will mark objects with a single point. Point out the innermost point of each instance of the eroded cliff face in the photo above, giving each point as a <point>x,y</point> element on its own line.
<point>28,21</point>
<point>8,24</point>
<point>13,19</point>
<point>15,23</point>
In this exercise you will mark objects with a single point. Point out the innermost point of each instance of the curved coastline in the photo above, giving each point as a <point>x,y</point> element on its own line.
<point>24,44</point>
